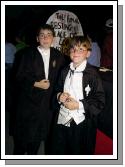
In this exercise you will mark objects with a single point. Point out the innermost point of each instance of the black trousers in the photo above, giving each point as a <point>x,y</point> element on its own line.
<point>30,148</point>
<point>69,140</point>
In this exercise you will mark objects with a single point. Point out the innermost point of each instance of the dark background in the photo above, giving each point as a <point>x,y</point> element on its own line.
<point>26,19</point>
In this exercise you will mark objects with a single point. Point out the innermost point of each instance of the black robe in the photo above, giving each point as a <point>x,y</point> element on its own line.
<point>93,103</point>
<point>31,115</point>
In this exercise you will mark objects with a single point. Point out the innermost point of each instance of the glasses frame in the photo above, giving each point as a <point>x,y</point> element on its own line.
<point>79,51</point>
<point>42,35</point>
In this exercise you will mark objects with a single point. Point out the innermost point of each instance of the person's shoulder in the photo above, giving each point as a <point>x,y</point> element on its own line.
<point>65,69</point>
<point>91,69</point>
<point>54,50</point>
<point>10,45</point>
<point>95,44</point>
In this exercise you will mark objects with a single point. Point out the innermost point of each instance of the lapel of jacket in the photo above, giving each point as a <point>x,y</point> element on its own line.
<point>65,73</point>
<point>52,63</point>
<point>39,62</point>
<point>85,79</point>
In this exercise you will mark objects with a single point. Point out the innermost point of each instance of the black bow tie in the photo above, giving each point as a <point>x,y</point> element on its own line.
<point>73,71</point>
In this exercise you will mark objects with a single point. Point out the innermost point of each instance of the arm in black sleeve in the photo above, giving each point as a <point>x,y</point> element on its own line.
<point>25,75</point>
<point>94,103</point>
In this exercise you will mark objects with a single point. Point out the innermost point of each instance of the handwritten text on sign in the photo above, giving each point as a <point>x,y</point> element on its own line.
<point>66,24</point>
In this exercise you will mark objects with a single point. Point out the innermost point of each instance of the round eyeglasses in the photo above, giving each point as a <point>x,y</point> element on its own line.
<point>79,50</point>
<point>42,36</point>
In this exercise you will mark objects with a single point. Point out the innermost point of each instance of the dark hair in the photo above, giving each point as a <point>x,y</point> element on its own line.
<point>81,40</point>
<point>46,27</point>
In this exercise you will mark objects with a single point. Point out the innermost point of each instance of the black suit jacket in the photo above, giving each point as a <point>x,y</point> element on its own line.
<point>93,103</point>
<point>32,116</point>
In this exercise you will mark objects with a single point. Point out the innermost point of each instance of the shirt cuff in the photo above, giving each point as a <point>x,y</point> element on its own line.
<point>80,105</point>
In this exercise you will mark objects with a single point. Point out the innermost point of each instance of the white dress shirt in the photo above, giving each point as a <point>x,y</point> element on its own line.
<point>74,86</point>
<point>45,53</point>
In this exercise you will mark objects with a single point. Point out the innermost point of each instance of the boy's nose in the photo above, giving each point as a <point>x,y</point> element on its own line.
<point>45,36</point>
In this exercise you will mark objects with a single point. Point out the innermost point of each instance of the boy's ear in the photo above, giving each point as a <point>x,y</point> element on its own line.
<point>37,39</point>
<point>88,54</point>
<point>54,39</point>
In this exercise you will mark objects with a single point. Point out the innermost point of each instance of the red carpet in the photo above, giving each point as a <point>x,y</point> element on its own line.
<point>104,144</point>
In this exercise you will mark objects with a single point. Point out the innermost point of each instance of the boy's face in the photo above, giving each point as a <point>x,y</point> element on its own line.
<point>78,54</point>
<point>45,38</point>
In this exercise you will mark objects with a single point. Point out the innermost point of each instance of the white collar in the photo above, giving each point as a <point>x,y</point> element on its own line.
<point>44,51</point>
<point>81,67</point>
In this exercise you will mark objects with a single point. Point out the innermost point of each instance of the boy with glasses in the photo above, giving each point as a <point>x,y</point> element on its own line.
<point>80,98</point>
<point>35,77</point>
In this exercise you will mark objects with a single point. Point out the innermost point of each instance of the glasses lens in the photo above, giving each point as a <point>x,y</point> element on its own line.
<point>45,35</point>
<point>79,50</point>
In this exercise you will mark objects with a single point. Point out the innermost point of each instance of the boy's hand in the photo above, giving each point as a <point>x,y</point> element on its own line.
<point>71,104</point>
<point>62,97</point>
<point>43,84</point>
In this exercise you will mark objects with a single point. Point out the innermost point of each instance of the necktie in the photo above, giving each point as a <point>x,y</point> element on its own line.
<point>71,72</point>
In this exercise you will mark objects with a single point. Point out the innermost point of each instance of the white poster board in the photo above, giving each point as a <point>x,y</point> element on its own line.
<point>66,24</point>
